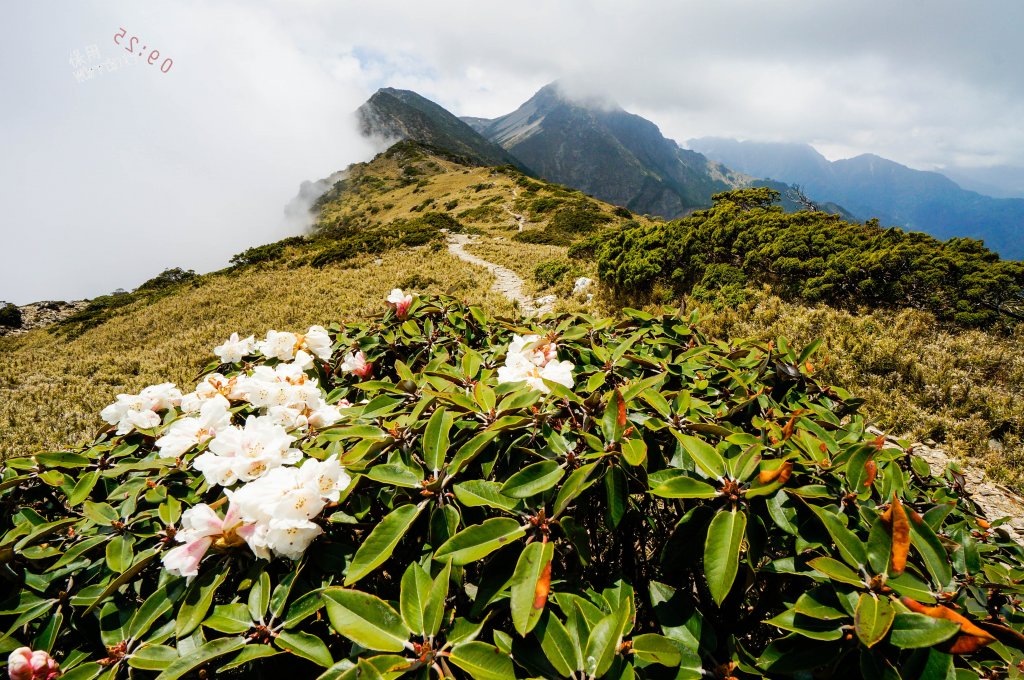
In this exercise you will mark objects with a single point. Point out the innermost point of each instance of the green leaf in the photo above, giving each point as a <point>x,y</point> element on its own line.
<point>703,454</point>
<point>259,597</point>
<point>477,492</point>
<point>142,560</point>
<point>722,551</point>
<point>578,481</point>
<point>155,606</point>
<point>634,451</point>
<point>433,614</point>
<point>119,553</point>
<point>836,570</point>
<point>152,657</point>
<point>602,644</point>
<point>557,645</point>
<point>306,645</point>
<point>101,513</point>
<point>250,652</point>
<point>928,545</point>
<point>366,620</point>
<point>83,487</point>
<point>807,626</point>
<point>616,495</point>
<point>482,661</point>
<point>416,584</point>
<point>435,439</point>
<point>613,422</point>
<point>872,619</point>
<point>470,450</point>
<point>396,474</point>
<point>197,601</point>
<point>533,479</point>
<point>651,648</point>
<point>233,619</point>
<point>684,487</point>
<point>819,603</point>
<point>913,631</point>
<point>206,653</point>
<point>530,584</point>
<point>478,541</point>
<point>850,547</point>
<point>378,546</point>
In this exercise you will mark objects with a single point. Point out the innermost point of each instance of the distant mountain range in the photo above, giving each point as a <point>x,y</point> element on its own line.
<point>602,150</point>
<point>872,186</point>
<point>624,159</point>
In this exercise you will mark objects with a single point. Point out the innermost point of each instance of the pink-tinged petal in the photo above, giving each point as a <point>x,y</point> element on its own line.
<point>19,664</point>
<point>184,560</point>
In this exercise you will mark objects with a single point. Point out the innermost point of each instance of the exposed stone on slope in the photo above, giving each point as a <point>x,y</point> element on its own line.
<point>43,314</point>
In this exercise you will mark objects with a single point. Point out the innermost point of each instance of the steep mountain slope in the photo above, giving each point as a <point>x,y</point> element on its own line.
<point>871,186</point>
<point>401,114</point>
<point>609,153</point>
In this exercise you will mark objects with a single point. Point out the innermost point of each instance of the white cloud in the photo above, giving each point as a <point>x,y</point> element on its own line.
<point>107,182</point>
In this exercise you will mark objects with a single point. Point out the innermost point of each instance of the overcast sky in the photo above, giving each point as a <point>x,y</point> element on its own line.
<point>107,181</point>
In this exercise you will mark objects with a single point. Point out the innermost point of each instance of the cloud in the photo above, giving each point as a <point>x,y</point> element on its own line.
<point>109,181</point>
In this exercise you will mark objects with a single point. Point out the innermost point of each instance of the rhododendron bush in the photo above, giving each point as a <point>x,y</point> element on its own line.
<point>437,493</point>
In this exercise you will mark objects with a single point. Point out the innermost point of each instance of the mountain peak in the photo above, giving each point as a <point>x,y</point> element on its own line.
<point>392,115</point>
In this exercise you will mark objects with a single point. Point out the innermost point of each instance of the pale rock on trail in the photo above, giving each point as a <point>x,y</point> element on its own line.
<point>506,281</point>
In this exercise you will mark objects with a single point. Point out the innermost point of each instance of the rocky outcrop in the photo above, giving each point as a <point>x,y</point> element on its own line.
<point>43,314</point>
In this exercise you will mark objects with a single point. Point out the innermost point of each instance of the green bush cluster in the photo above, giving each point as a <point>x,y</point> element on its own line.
<point>687,509</point>
<point>345,243</point>
<point>550,272</point>
<point>104,307</point>
<point>10,315</point>
<point>817,257</point>
<point>266,253</point>
<point>570,223</point>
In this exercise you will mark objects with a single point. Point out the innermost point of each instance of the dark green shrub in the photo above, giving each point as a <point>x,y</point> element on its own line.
<point>266,253</point>
<point>167,278</point>
<point>10,315</point>
<point>817,257</point>
<point>550,272</point>
<point>669,508</point>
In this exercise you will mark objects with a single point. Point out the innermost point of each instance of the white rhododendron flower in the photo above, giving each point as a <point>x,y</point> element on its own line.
<point>317,341</point>
<point>356,363</point>
<point>533,360</point>
<point>212,386</point>
<point>185,433</point>
<point>400,302</point>
<point>283,345</point>
<point>200,528</point>
<point>278,345</point>
<point>281,505</point>
<point>233,350</point>
<point>281,385</point>
<point>141,411</point>
<point>246,453</point>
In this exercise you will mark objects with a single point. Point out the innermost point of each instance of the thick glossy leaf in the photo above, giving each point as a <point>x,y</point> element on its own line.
<point>378,546</point>
<point>416,584</point>
<point>533,479</point>
<point>436,439</point>
<point>651,648</point>
<point>613,422</point>
<point>119,553</point>
<point>83,487</point>
<point>928,545</point>
<point>153,657</point>
<point>478,492</point>
<point>198,599</point>
<point>819,603</point>
<point>576,483</point>
<point>366,620</point>
<point>616,493</point>
<point>872,619</point>
<point>557,645</point>
<point>685,487</point>
<point>259,597</point>
<point>703,454</point>
<point>836,570</point>
<point>603,643</point>
<point>530,584</point>
<point>233,619</point>
<point>205,654</point>
<point>155,606</point>
<point>480,540</point>
<point>433,614</point>
<point>807,626</point>
<point>470,450</point>
<point>250,652</point>
<point>912,631</point>
<point>850,547</point>
<point>722,551</point>
<point>305,645</point>
<point>482,661</point>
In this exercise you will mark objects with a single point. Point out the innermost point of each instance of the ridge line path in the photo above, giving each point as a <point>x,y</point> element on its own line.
<point>506,281</point>
<point>520,219</point>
